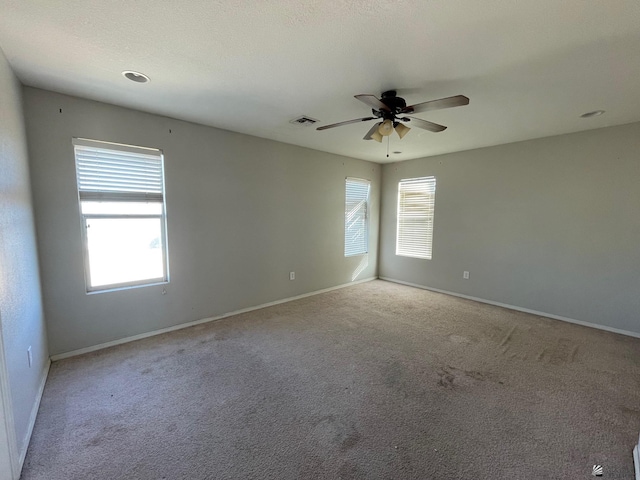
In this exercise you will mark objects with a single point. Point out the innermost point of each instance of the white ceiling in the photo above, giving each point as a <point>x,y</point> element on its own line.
<point>530,67</point>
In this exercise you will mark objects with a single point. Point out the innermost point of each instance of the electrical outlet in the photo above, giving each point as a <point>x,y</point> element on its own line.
<point>292,275</point>
<point>465,275</point>
<point>29,356</point>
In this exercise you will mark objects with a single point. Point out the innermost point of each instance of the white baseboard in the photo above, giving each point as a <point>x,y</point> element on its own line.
<point>636,459</point>
<point>34,414</point>
<point>9,461</point>
<point>519,309</point>
<point>133,338</point>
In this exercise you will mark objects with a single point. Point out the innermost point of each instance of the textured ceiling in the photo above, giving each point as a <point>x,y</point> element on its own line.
<point>530,67</point>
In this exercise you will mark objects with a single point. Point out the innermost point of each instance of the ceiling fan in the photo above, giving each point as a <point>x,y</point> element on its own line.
<point>392,110</point>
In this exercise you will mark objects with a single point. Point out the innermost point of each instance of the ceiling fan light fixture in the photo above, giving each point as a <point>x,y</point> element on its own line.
<point>386,128</point>
<point>376,136</point>
<point>402,130</point>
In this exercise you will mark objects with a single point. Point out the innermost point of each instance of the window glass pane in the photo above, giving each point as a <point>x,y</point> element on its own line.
<point>124,250</point>
<point>121,208</point>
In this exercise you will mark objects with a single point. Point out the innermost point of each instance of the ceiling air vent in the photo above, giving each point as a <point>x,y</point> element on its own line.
<point>303,121</point>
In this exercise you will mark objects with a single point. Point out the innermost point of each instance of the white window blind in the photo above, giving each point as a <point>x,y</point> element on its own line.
<point>416,202</point>
<point>118,173</point>
<point>356,217</point>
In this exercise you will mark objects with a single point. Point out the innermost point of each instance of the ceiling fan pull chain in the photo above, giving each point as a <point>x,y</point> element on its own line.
<point>388,140</point>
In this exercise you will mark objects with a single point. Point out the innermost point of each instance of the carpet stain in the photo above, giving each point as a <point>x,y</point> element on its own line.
<point>446,378</point>
<point>331,432</point>
<point>207,338</point>
<point>562,353</point>
<point>146,371</point>
<point>507,338</point>
<point>634,412</point>
<point>572,355</point>
<point>350,470</point>
<point>475,375</point>
<point>227,334</point>
<point>350,440</point>
<point>451,377</point>
<point>394,378</point>
<point>107,434</point>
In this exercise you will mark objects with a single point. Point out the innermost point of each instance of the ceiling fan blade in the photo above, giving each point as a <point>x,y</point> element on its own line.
<point>449,102</point>
<point>373,102</point>
<point>432,127</point>
<point>371,134</point>
<point>357,120</point>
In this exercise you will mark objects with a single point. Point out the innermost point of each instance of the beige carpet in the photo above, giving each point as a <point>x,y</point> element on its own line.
<point>374,381</point>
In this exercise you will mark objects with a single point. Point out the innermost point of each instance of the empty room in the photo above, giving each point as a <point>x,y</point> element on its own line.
<point>319,240</point>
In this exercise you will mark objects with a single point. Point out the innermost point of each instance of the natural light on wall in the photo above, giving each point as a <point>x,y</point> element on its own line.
<point>364,263</point>
<point>121,194</point>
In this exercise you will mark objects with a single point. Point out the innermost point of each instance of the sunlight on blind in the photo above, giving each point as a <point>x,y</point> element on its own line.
<point>105,173</point>
<point>416,201</point>
<point>356,213</point>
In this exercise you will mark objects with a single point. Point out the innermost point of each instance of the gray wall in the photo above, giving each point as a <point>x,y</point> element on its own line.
<point>21,317</point>
<point>551,225</point>
<point>241,212</point>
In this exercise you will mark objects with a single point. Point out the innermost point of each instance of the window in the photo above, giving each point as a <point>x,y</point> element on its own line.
<point>416,201</point>
<point>356,217</point>
<point>121,194</point>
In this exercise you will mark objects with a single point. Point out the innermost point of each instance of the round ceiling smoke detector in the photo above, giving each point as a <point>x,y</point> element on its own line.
<point>135,76</point>
<point>595,113</point>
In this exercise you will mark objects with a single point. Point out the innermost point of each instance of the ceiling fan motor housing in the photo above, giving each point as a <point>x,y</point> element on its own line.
<point>395,104</point>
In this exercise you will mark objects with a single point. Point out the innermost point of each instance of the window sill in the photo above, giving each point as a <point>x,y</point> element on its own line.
<point>118,288</point>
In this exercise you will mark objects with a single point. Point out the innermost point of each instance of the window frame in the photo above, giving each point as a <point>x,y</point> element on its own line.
<point>116,197</point>
<point>430,182</point>
<point>366,216</point>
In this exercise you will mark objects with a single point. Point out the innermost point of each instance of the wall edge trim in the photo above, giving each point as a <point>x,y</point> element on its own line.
<point>519,309</point>
<point>636,459</point>
<point>140,336</point>
<point>34,414</point>
<point>6,404</point>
